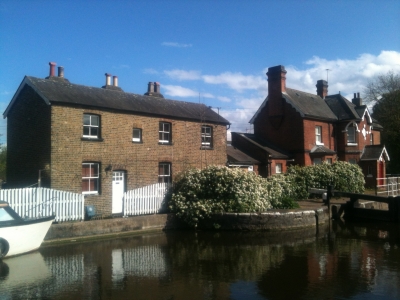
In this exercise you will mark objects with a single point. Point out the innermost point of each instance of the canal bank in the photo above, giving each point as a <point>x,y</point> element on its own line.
<point>273,220</point>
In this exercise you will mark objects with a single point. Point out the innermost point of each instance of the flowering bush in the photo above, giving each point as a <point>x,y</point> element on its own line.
<point>343,176</point>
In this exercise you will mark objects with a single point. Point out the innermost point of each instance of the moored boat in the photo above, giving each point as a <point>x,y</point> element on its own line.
<point>20,235</point>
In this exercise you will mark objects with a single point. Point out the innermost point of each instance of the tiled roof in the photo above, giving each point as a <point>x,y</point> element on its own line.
<point>309,105</point>
<point>374,152</point>
<point>319,149</point>
<point>265,145</point>
<point>343,108</point>
<point>62,91</point>
<point>235,155</point>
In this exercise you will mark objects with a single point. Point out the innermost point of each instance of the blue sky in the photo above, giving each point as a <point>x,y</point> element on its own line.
<point>214,52</point>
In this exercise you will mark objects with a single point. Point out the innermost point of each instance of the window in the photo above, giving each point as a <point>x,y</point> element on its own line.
<point>137,135</point>
<point>278,168</point>
<point>329,160</point>
<point>164,133</point>
<point>91,126</point>
<point>164,172</point>
<point>352,161</point>
<point>317,161</point>
<point>351,135</point>
<point>206,136</point>
<point>371,138</point>
<point>90,178</point>
<point>318,135</point>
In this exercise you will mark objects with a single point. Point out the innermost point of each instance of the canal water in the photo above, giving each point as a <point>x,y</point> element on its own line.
<point>339,261</point>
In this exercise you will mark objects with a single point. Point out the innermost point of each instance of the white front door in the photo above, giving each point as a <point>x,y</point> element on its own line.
<point>118,189</point>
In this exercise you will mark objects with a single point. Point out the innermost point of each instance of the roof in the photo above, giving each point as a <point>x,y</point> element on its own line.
<point>374,152</point>
<point>309,105</point>
<point>320,149</point>
<point>265,145</point>
<point>63,92</point>
<point>343,108</point>
<point>237,156</point>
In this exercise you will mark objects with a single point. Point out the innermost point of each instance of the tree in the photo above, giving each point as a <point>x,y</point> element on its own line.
<point>383,84</point>
<point>387,112</point>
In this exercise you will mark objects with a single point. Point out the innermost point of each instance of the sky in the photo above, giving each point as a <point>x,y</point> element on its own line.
<point>215,52</point>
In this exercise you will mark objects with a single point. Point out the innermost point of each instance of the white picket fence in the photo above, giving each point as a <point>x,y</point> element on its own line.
<point>146,200</point>
<point>43,202</point>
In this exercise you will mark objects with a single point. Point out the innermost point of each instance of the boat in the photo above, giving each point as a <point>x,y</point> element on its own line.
<point>20,235</point>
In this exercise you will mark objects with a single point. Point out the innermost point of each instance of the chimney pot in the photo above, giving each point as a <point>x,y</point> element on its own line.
<point>150,88</point>
<point>52,67</point>
<point>157,87</point>
<point>61,71</point>
<point>115,80</point>
<point>108,79</point>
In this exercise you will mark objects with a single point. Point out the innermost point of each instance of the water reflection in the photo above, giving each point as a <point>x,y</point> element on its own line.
<point>347,260</point>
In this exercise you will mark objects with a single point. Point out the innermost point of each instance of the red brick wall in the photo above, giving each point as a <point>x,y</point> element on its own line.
<point>139,160</point>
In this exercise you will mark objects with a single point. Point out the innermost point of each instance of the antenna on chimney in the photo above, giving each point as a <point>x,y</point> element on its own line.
<point>327,71</point>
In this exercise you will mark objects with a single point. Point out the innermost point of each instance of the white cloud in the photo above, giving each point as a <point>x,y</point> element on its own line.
<point>183,75</point>
<point>179,91</point>
<point>174,44</point>
<point>224,99</point>
<point>235,81</point>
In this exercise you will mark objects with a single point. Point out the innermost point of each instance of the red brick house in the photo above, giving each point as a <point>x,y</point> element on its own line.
<point>104,141</point>
<point>295,127</point>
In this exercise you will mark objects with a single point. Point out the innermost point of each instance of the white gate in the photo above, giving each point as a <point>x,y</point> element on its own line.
<point>118,189</point>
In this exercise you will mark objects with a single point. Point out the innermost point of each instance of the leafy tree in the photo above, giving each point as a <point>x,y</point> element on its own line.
<point>383,84</point>
<point>387,112</point>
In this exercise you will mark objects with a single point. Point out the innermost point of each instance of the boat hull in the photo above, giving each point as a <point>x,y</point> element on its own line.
<point>25,237</point>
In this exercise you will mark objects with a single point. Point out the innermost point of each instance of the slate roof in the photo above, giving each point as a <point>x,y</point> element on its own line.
<point>236,155</point>
<point>309,105</point>
<point>63,92</point>
<point>343,108</point>
<point>265,145</point>
<point>374,152</point>
<point>320,149</point>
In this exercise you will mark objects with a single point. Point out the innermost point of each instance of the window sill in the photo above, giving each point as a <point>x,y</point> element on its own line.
<point>206,148</point>
<point>165,144</point>
<point>90,193</point>
<point>319,144</point>
<point>352,144</point>
<point>92,139</point>
<point>137,142</point>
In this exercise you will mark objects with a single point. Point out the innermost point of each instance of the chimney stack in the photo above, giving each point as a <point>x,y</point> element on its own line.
<point>108,79</point>
<point>115,80</point>
<point>322,88</point>
<point>276,80</point>
<point>153,90</point>
<point>357,100</point>
<point>61,72</point>
<point>52,69</point>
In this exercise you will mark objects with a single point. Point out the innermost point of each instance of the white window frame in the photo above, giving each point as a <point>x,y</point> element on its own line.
<point>206,136</point>
<point>90,125</point>
<point>95,178</point>
<point>318,135</point>
<point>351,136</point>
<point>329,160</point>
<point>164,133</point>
<point>371,138</point>
<point>278,168</point>
<point>353,161</point>
<point>138,132</point>
<point>164,172</point>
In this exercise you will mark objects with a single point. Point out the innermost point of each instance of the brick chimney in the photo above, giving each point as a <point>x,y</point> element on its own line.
<point>276,80</point>
<point>153,89</point>
<point>322,88</point>
<point>357,100</point>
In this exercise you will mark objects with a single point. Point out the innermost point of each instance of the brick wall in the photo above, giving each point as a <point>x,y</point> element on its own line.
<point>117,151</point>
<point>28,140</point>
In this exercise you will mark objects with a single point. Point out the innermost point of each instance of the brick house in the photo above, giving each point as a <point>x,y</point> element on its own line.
<point>295,127</point>
<point>103,141</point>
